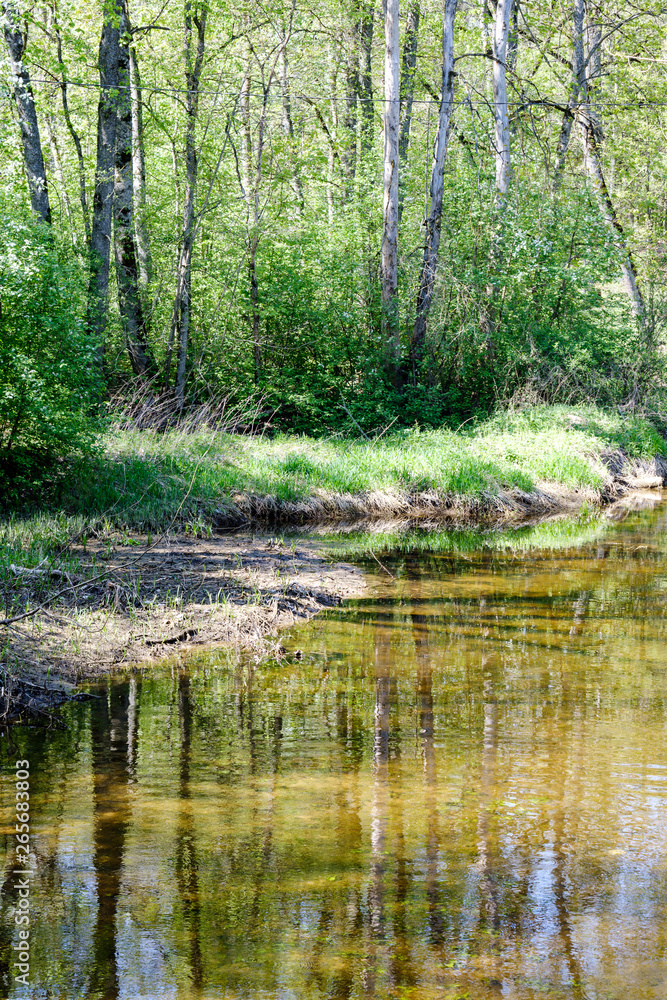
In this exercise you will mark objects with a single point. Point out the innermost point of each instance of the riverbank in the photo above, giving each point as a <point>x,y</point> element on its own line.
<point>201,480</point>
<point>124,601</point>
<point>149,570</point>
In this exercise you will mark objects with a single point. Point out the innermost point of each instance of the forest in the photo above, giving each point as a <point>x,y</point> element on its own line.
<point>340,217</point>
<point>351,308</point>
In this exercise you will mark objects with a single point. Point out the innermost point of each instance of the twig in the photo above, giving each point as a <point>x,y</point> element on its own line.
<point>387,428</point>
<point>351,417</point>
<point>371,553</point>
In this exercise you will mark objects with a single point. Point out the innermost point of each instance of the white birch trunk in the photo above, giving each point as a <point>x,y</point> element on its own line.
<point>407,94</point>
<point>588,133</point>
<point>434,220</point>
<point>390,208</point>
<point>139,174</point>
<point>33,159</point>
<point>195,15</point>
<point>100,235</point>
<point>501,30</point>
<point>127,270</point>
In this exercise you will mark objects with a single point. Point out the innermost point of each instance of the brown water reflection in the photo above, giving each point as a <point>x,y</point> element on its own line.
<point>459,791</point>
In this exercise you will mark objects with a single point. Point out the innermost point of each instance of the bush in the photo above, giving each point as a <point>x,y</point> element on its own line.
<point>49,370</point>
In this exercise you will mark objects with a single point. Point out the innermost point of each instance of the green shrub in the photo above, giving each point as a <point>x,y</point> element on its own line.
<point>49,370</point>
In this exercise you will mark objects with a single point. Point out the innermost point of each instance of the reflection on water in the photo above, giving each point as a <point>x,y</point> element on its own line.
<point>458,792</point>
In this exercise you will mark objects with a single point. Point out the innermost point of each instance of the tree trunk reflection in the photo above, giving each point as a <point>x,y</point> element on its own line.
<point>186,851</point>
<point>109,737</point>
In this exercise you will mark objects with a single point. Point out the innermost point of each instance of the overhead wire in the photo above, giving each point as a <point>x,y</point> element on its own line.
<point>555,102</point>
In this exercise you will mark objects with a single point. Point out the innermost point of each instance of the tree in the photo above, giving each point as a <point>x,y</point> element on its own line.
<point>127,272</point>
<point>267,268</point>
<point>390,202</point>
<point>107,116</point>
<point>501,32</point>
<point>408,70</point>
<point>433,221</point>
<point>139,173</point>
<point>194,47</point>
<point>76,138</point>
<point>33,160</point>
<point>589,131</point>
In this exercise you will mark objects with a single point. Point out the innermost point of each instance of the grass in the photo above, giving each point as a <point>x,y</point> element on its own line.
<point>146,481</point>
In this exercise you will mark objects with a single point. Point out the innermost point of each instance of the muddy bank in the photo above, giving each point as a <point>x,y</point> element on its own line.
<point>133,601</point>
<point>132,604</point>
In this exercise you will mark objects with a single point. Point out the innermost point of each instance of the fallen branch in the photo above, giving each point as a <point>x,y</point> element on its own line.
<point>37,573</point>
<point>181,637</point>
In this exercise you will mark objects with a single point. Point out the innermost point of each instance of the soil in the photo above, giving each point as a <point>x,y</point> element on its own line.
<point>131,603</point>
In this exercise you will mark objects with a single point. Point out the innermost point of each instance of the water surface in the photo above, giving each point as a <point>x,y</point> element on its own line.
<point>454,787</point>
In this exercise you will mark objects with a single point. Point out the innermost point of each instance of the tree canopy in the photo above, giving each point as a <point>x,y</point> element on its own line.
<point>357,214</point>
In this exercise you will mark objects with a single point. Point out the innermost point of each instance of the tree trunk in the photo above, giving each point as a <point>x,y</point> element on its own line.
<point>288,129</point>
<point>589,132</point>
<point>564,138</point>
<point>50,124</point>
<point>578,84</point>
<point>365,78</point>
<point>127,272</point>
<point>331,160</point>
<point>501,31</point>
<point>25,104</point>
<point>434,220</point>
<point>513,38</point>
<point>254,299</point>
<point>73,133</point>
<point>593,162</point>
<point>251,197</point>
<point>252,162</point>
<point>100,237</point>
<point>195,14</point>
<point>389,264</point>
<point>489,312</point>
<point>407,95</point>
<point>349,157</point>
<point>139,174</point>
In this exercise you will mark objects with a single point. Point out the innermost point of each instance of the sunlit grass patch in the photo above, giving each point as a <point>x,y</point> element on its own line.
<point>148,480</point>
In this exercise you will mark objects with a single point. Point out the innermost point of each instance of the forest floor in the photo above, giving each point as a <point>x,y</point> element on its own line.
<point>136,562</point>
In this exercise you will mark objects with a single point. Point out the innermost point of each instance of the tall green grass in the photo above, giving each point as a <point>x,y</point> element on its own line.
<point>145,480</point>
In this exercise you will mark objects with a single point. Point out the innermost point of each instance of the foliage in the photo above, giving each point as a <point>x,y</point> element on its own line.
<point>528,304</point>
<point>48,366</point>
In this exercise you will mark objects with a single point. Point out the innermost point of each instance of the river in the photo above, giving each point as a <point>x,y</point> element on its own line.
<point>454,787</point>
